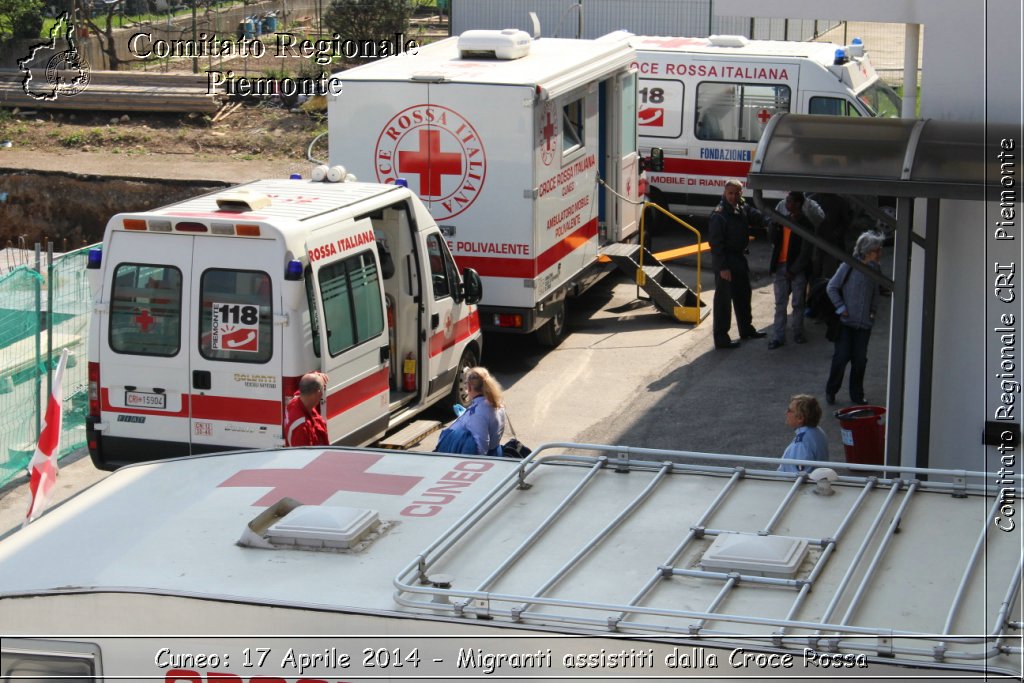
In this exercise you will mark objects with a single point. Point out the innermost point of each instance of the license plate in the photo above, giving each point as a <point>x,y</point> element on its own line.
<point>144,399</point>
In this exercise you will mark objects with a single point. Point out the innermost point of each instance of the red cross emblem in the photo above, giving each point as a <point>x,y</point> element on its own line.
<point>763,116</point>
<point>430,163</point>
<point>675,42</point>
<point>325,475</point>
<point>440,150</point>
<point>144,320</point>
<point>548,132</point>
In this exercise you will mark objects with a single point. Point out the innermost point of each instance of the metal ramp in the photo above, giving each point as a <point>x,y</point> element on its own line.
<point>668,293</point>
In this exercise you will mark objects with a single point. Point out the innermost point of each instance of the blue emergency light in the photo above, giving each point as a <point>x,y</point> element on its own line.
<point>295,176</point>
<point>840,56</point>
<point>293,271</point>
<point>401,182</point>
<point>95,259</point>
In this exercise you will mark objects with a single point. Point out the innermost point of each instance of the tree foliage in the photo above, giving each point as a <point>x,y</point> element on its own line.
<point>367,20</point>
<point>103,10</point>
<point>21,18</point>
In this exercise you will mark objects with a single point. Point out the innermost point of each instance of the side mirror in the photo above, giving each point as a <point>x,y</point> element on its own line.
<point>657,160</point>
<point>472,288</point>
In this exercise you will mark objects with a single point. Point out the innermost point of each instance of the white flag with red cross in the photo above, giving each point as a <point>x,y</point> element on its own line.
<point>43,467</point>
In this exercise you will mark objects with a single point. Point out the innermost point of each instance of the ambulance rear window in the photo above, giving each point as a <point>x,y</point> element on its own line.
<point>353,308</point>
<point>145,310</point>
<point>235,316</point>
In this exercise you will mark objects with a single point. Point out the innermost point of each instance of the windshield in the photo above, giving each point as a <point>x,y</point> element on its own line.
<point>881,100</point>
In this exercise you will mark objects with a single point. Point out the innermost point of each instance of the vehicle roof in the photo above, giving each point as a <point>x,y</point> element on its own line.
<point>550,63</point>
<point>823,53</point>
<point>291,199</point>
<point>172,527</point>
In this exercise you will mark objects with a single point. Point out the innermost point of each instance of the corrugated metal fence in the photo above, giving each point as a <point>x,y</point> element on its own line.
<point>43,310</point>
<point>564,19</point>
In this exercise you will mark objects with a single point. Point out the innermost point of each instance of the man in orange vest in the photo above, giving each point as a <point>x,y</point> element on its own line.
<point>303,424</point>
<point>790,265</point>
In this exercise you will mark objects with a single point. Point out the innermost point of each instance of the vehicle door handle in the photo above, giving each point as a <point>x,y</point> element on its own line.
<point>385,353</point>
<point>435,320</point>
<point>201,379</point>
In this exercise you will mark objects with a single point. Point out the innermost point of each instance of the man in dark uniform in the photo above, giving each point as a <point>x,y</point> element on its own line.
<point>729,235</point>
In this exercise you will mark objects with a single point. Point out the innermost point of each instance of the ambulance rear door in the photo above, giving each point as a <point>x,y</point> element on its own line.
<point>143,349</point>
<point>350,334</point>
<point>235,345</point>
<point>619,123</point>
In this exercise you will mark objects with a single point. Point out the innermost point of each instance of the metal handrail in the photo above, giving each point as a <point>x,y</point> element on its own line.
<point>542,527</point>
<point>686,225</point>
<point>521,608</point>
<point>601,535</point>
<point>969,570</point>
<point>873,566</point>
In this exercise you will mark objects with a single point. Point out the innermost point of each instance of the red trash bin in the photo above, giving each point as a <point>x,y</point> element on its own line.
<point>863,430</point>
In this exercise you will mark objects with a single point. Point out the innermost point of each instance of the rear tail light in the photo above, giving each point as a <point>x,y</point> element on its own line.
<point>513,320</point>
<point>642,186</point>
<point>94,389</point>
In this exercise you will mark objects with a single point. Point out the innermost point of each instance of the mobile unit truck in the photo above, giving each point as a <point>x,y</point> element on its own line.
<point>705,101</point>
<point>208,312</point>
<point>342,565</point>
<point>504,138</point>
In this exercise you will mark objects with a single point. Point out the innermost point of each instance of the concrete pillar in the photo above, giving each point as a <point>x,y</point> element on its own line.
<point>911,46</point>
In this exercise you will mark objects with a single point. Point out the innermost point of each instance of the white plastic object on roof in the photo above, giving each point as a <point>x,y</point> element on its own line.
<point>509,43</point>
<point>322,526</point>
<point>755,554</point>
<point>336,174</point>
<point>728,41</point>
<point>242,200</point>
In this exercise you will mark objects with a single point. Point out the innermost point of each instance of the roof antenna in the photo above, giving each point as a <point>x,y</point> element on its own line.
<point>535,22</point>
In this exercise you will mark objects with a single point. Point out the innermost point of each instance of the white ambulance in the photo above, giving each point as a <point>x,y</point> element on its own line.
<point>342,565</point>
<point>504,138</point>
<point>705,101</point>
<point>208,312</point>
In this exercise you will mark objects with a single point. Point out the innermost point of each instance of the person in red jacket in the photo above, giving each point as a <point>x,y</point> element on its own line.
<point>303,424</point>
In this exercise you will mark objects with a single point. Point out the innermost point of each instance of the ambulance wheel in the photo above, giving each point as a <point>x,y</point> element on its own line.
<point>553,331</point>
<point>458,393</point>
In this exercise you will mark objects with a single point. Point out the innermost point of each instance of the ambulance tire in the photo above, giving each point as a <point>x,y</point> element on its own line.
<point>458,393</point>
<point>553,331</point>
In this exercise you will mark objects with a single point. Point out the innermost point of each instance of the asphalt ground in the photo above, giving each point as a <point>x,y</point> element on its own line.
<point>628,375</point>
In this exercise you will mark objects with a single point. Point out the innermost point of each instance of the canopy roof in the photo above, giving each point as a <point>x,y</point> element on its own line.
<point>886,157</point>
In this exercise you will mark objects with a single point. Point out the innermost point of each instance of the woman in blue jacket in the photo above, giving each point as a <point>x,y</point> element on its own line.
<point>478,430</point>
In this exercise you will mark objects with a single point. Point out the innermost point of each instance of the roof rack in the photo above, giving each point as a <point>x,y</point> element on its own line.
<point>850,578</point>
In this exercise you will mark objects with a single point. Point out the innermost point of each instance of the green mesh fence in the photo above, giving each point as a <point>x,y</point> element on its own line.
<point>40,315</point>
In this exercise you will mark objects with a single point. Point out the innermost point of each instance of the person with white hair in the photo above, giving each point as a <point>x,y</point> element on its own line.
<point>855,297</point>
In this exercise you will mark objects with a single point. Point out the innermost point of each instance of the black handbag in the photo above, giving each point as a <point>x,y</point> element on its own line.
<point>514,448</point>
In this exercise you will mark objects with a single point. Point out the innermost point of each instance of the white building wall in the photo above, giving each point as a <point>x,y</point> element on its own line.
<point>972,72</point>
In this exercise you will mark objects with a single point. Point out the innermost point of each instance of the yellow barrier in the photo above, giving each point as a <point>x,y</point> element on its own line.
<point>686,314</point>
